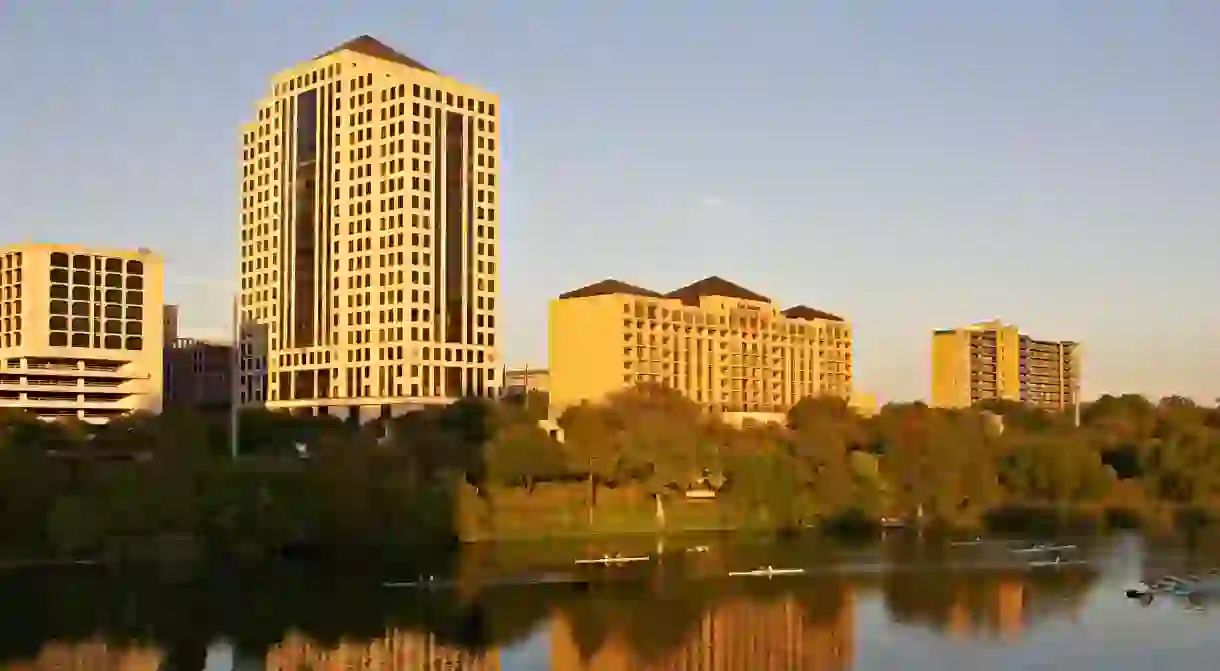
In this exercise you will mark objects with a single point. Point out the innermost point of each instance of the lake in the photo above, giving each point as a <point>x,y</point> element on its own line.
<point>905,603</point>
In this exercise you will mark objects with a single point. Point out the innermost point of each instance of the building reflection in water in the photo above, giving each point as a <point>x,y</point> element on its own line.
<point>743,633</point>
<point>398,650</point>
<point>997,609</point>
<point>92,656</point>
<point>982,607</point>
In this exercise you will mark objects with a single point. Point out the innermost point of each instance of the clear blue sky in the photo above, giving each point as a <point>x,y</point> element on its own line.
<point>911,165</point>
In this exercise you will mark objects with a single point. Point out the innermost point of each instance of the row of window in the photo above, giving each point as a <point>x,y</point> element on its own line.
<point>87,261</point>
<point>113,310</point>
<point>111,341</point>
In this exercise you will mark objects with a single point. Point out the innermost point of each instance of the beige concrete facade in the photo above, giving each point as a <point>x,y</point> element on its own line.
<point>723,346</point>
<point>81,331</point>
<point>995,361</point>
<point>370,233</point>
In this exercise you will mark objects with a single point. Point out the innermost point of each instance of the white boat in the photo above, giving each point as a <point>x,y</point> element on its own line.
<point>1044,547</point>
<point>767,572</point>
<point>608,560</point>
<point>1057,562</point>
<point>430,581</point>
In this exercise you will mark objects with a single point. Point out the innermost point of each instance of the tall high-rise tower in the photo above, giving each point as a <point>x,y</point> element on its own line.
<point>369,241</point>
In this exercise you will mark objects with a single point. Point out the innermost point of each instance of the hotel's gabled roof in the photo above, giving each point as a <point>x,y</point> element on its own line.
<point>374,48</point>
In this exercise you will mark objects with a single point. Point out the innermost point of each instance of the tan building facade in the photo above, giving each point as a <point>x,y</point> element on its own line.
<point>81,331</point>
<point>370,233</point>
<point>995,361</point>
<point>721,345</point>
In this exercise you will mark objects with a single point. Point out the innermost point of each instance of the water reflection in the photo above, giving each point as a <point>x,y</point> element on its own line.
<point>683,615</point>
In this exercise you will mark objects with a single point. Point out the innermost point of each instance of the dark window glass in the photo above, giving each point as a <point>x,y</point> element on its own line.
<point>113,311</point>
<point>59,275</point>
<point>58,339</point>
<point>81,276</point>
<point>113,342</point>
<point>80,339</point>
<point>135,267</point>
<point>80,309</point>
<point>135,328</point>
<point>59,259</point>
<point>81,261</point>
<point>113,280</point>
<point>59,291</point>
<point>114,326</point>
<point>80,293</point>
<point>59,307</point>
<point>59,323</point>
<point>135,298</point>
<point>135,342</point>
<point>114,296</point>
<point>80,323</point>
<point>135,282</point>
<point>135,312</point>
<point>114,265</point>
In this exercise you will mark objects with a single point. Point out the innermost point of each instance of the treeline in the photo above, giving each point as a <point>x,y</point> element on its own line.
<point>478,469</point>
<point>1129,462</point>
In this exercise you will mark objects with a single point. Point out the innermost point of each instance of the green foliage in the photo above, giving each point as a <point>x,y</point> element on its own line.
<point>645,459</point>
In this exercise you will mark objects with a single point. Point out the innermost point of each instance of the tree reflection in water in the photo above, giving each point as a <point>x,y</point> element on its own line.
<point>680,614</point>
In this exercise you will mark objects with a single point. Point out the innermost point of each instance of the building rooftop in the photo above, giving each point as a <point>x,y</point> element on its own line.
<point>691,293</point>
<point>609,287</point>
<point>714,286</point>
<point>374,48</point>
<point>806,312</point>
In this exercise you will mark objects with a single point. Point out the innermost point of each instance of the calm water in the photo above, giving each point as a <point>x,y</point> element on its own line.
<point>899,605</point>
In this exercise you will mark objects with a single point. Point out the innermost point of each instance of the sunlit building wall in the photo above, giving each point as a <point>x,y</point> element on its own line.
<point>723,346</point>
<point>370,233</point>
<point>995,361</point>
<point>81,331</point>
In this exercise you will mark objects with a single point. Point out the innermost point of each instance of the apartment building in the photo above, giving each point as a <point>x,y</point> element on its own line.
<point>995,361</point>
<point>80,331</point>
<point>370,233</point>
<point>721,345</point>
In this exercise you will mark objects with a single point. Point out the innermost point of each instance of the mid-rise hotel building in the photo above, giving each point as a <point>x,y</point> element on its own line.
<point>721,345</point>
<point>80,331</point>
<point>369,233</point>
<point>995,361</point>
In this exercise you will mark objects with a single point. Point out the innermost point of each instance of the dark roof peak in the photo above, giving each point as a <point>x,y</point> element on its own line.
<point>806,312</point>
<point>370,46</point>
<point>714,286</point>
<point>609,287</point>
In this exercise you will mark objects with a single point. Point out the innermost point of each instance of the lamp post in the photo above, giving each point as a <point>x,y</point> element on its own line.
<point>235,380</point>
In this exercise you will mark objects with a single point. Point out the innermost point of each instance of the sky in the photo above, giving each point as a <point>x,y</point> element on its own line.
<point>910,166</point>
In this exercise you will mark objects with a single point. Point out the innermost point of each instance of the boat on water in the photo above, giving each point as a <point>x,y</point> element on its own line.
<point>767,572</point>
<point>967,543</point>
<point>430,581</point>
<point>1190,586</point>
<point>1057,561</point>
<point>1043,547</point>
<point>613,560</point>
